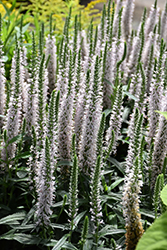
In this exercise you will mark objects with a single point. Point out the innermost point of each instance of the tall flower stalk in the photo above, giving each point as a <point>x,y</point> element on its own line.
<point>2,81</point>
<point>13,116</point>
<point>160,144</point>
<point>42,88</point>
<point>96,210</point>
<point>31,97</point>
<point>73,193</point>
<point>132,189</point>
<point>87,151</point>
<point>45,187</point>
<point>115,119</point>
<point>65,117</point>
<point>52,58</point>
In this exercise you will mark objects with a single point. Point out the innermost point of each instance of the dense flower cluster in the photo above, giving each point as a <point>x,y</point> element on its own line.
<point>71,98</point>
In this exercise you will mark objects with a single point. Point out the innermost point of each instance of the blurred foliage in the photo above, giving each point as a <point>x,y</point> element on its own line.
<point>42,9</point>
<point>11,22</point>
<point>2,8</point>
<point>33,13</point>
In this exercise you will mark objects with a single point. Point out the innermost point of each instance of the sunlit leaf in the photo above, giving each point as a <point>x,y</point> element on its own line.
<point>60,243</point>
<point>155,237</point>
<point>163,195</point>
<point>13,218</point>
<point>164,113</point>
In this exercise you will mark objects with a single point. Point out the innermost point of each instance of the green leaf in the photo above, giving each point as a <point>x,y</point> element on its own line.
<point>115,184</point>
<point>155,237</point>
<point>130,96</point>
<point>60,243</point>
<point>70,246</point>
<point>25,27</point>
<point>8,236</point>
<point>66,245</point>
<point>108,82</point>
<point>164,113</point>
<point>24,227</point>
<point>59,204</point>
<point>60,226</point>
<point>65,163</point>
<point>4,59</point>
<point>103,248</point>
<point>29,215</point>
<point>13,218</point>
<point>110,230</point>
<point>107,172</point>
<point>15,139</point>
<point>78,218</point>
<point>27,239</point>
<point>13,5</point>
<point>23,155</point>
<point>2,206</point>
<point>5,7</point>
<point>163,195</point>
<point>147,213</point>
<point>117,164</point>
<point>107,112</point>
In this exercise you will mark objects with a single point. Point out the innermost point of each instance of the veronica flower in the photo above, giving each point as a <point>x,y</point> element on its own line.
<point>132,186</point>
<point>42,88</point>
<point>114,55</point>
<point>127,18</point>
<point>87,151</point>
<point>160,144</point>
<point>62,76</point>
<point>65,128</point>
<point>73,192</point>
<point>152,19</point>
<point>24,75</point>
<point>135,137</point>
<point>156,93</point>
<point>51,67</point>
<point>33,162</point>
<point>31,100</point>
<point>164,22</point>
<point>131,200</point>
<point>118,7</point>
<point>102,30</point>
<point>81,106</point>
<point>52,126</point>
<point>95,201</point>
<point>133,58</point>
<point>109,76</point>
<point>84,45</point>
<point>45,187</point>
<point>138,88</point>
<point>150,69</point>
<point>142,22</point>
<point>66,118</point>
<point>147,48</point>
<point>13,117</point>
<point>115,121</point>
<point>2,85</point>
